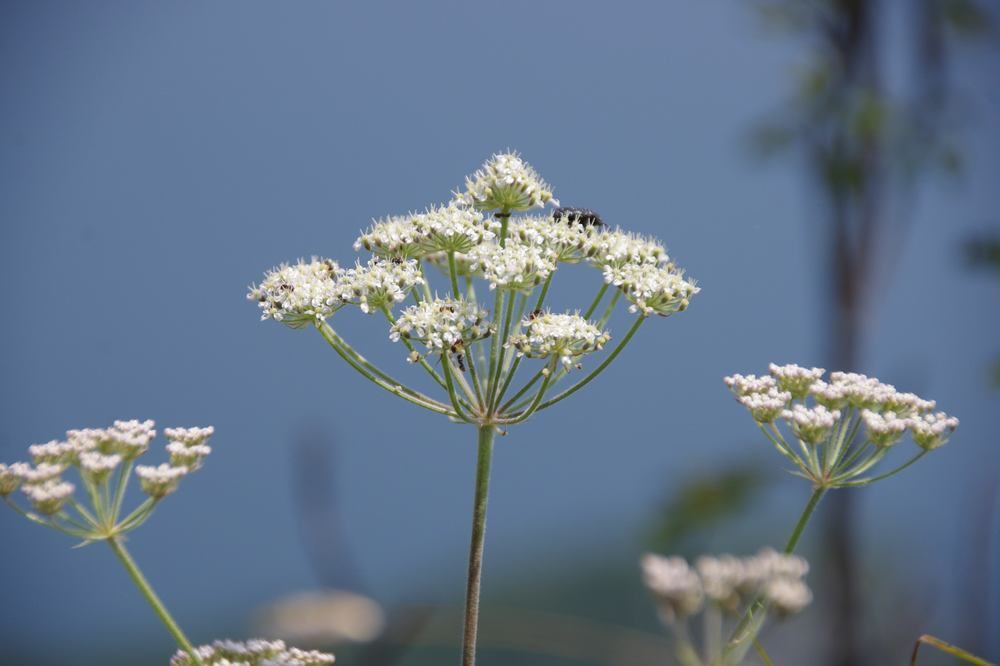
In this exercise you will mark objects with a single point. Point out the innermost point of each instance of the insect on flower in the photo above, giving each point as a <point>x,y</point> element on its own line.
<point>583,216</point>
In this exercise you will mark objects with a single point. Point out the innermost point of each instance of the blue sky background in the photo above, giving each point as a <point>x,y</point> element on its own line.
<point>158,157</point>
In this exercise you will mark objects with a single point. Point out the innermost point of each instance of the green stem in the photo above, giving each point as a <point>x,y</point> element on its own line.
<point>597,301</point>
<point>484,459</point>
<point>865,482</point>
<point>453,273</point>
<point>154,601</point>
<point>495,384</point>
<point>409,346</point>
<point>123,474</point>
<point>446,364</point>
<point>807,512</point>
<point>599,369</point>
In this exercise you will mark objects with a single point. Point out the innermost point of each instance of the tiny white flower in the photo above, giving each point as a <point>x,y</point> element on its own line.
<point>766,406</point>
<point>795,379</point>
<point>884,428</point>
<point>49,496</point>
<point>161,480</point>
<point>11,477</point>
<point>931,431</point>
<point>616,248</point>
<point>516,266</point>
<point>98,466</point>
<point>381,283</point>
<point>189,436</point>
<point>567,242</point>
<point>812,425</point>
<point>676,587</point>
<point>441,324</point>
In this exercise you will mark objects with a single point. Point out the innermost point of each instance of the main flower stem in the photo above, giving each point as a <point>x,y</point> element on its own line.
<point>147,591</point>
<point>800,526</point>
<point>485,457</point>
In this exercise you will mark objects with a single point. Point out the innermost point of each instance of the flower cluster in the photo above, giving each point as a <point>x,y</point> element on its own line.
<point>726,582</point>
<point>448,228</point>
<point>440,324</point>
<point>381,283</point>
<point>568,243</point>
<point>652,288</point>
<point>515,266</point>
<point>299,294</point>
<point>564,336</point>
<point>846,424</point>
<point>255,652</point>
<point>98,454</point>
<point>505,182</point>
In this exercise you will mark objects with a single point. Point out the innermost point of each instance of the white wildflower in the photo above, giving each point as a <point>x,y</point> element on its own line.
<point>187,455</point>
<point>255,652</point>
<point>617,248</point>
<point>766,405</point>
<point>189,436</point>
<point>454,228</point>
<point>379,284</point>
<point>299,294</point>
<point>565,336</point>
<point>722,578</point>
<point>440,324</point>
<point>795,379</point>
<point>884,428</point>
<point>41,472</point>
<point>787,596</point>
<point>746,384</point>
<point>674,584</point>
<point>811,424</point>
<point>831,396</point>
<point>49,496</point>
<point>651,288</point>
<point>128,438</point>
<point>931,431</point>
<point>54,452</point>
<point>11,477</point>
<point>517,266</point>
<point>568,243</point>
<point>161,480</point>
<point>395,236</point>
<point>505,181</point>
<point>98,466</point>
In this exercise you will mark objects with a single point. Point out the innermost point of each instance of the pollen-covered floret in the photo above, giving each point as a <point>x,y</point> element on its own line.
<point>811,424</point>
<point>569,243</point>
<point>299,294</point>
<point>161,480</point>
<point>931,431</point>
<point>617,248</point>
<point>517,266</point>
<point>505,181</point>
<point>652,289</point>
<point>441,323</point>
<point>254,652</point>
<point>884,428</point>
<point>565,336</point>
<point>48,496</point>
<point>674,584</point>
<point>379,284</point>
<point>795,379</point>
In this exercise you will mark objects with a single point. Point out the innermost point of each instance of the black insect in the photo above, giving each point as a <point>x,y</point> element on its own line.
<point>584,216</point>
<point>535,314</point>
<point>396,260</point>
<point>458,351</point>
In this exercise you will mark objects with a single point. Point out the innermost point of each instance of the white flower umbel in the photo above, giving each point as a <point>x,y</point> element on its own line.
<point>473,347</point>
<point>563,336</point>
<point>569,242</point>
<point>299,294</point>
<point>832,448</point>
<point>441,324</point>
<point>379,284</point>
<point>255,652</point>
<point>651,288</point>
<point>505,182</point>
<point>840,429</point>
<point>104,459</point>
<point>717,586</point>
<point>517,267</point>
<point>616,248</point>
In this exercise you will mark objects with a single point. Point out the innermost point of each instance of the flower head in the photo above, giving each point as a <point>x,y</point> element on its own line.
<point>787,595</point>
<point>11,477</point>
<point>98,466</point>
<point>567,242</point>
<point>794,378</point>
<point>48,496</point>
<point>300,294</point>
<point>811,424</point>
<point>674,584</point>
<point>652,289</point>
<point>505,181</point>
<point>161,480</point>
<point>395,236</point>
<point>189,436</point>
<point>617,248</point>
<point>564,336</point>
<point>884,428</point>
<point>254,652</point>
<point>516,266</point>
<point>931,431</point>
<point>440,324</point>
<point>766,406</point>
<point>380,284</point>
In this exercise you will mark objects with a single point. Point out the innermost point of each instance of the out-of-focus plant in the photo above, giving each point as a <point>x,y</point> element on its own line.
<point>984,252</point>
<point>479,351</point>
<point>867,145</point>
<point>717,588</point>
<point>836,435</point>
<point>103,460</point>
